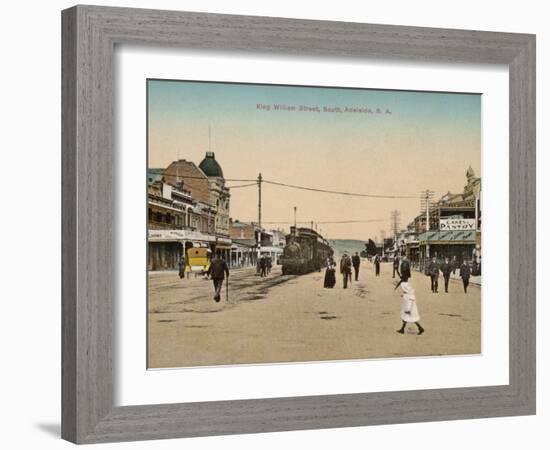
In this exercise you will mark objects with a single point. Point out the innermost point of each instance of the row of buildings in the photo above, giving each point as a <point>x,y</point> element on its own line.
<point>451,227</point>
<point>188,206</point>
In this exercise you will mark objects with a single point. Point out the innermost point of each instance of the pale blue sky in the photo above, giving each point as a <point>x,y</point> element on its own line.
<point>428,141</point>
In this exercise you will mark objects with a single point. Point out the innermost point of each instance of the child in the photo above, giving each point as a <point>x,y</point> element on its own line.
<point>409,310</point>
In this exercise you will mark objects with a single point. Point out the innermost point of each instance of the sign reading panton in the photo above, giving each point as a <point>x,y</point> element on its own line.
<point>448,223</point>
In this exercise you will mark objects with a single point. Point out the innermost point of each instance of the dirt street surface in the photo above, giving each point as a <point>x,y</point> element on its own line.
<point>293,318</point>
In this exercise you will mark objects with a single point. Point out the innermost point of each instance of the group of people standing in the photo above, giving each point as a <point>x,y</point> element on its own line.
<point>446,268</point>
<point>265,263</point>
<point>346,263</point>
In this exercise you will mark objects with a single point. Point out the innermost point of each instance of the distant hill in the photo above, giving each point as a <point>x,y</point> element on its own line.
<point>349,245</point>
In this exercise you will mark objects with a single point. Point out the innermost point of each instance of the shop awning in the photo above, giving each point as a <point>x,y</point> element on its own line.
<point>448,237</point>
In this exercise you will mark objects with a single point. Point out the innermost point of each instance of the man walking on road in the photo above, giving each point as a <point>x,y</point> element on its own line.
<point>263,266</point>
<point>465,273</point>
<point>433,270</point>
<point>446,270</point>
<point>345,269</point>
<point>356,261</point>
<point>218,270</point>
<point>396,266</point>
<point>405,269</point>
<point>377,265</point>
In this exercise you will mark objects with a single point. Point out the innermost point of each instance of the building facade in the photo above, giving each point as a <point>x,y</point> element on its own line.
<point>454,230</point>
<point>186,208</point>
<point>219,193</point>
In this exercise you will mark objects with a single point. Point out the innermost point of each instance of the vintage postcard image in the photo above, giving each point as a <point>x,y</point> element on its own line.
<point>306,223</point>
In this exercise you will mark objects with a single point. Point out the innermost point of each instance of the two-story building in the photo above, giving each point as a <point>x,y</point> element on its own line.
<point>455,225</point>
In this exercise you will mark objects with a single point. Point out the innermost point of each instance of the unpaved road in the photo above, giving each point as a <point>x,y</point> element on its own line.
<point>293,318</point>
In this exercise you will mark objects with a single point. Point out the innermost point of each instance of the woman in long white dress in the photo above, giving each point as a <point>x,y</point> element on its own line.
<point>409,309</point>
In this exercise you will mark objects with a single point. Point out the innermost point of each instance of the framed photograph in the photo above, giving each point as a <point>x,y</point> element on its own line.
<point>278,224</point>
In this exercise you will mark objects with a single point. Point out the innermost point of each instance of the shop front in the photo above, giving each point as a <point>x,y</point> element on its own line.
<point>457,245</point>
<point>166,247</point>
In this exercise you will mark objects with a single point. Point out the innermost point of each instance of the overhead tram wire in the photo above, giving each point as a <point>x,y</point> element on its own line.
<point>191,177</point>
<point>243,185</point>
<point>324,222</point>
<point>254,182</point>
<point>327,191</point>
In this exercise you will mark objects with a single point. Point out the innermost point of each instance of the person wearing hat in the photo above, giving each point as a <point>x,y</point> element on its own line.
<point>433,271</point>
<point>405,269</point>
<point>446,270</point>
<point>409,309</point>
<point>396,266</point>
<point>356,261</point>
<point>330,277</point>
<point>377,265</point>
<point>218,270</point>
<point>465,273</point>
<point>345,269</point>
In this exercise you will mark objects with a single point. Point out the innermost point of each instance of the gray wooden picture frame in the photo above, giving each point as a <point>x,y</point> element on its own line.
<point>90,34</point>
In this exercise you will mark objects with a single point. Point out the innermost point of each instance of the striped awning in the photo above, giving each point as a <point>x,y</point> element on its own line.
<point>448,237</point>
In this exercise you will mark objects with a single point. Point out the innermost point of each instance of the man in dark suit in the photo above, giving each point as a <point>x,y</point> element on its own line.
<point>356,261</point>
<point>345,269</point>
<point>465,273</point>
<point>263,266</point>
<point>218,270</point>
<point>433,270</point>
<point>446,270</point>
<point>396,266</point>
<point>405,270</point>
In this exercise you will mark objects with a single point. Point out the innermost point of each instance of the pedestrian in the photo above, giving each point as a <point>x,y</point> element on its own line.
<point>181,267</point>
<point>433,271</point>
<point>409,308</point>
<point>455,264</point>
<point>377,265</point>
<point>405,269</point>
<point>396,266</point>
<point>268,264</point>
<point>446,271</point>
<point>345,269</point>
<point>465,273</point>
<point>263,266</point>
<point>356,261</point>
<point>330,273</point>
<point>217,271</point>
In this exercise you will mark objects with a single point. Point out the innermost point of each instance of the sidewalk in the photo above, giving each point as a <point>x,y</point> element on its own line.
<point>473,279</point>
<point>456,276</point>
<point>231,269</point>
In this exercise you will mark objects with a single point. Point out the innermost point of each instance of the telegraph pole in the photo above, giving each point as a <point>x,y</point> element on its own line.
<point>260,201</point>
<point>395,216</point>
<point>425,202</point>
<point>259,220</point>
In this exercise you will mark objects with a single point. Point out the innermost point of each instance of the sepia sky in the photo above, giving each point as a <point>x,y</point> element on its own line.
<point>417,141</point>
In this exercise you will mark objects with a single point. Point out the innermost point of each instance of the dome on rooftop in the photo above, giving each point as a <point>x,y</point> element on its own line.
<point>210,166</point>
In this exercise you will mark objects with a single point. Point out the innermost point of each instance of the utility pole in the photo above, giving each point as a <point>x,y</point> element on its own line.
<point>260,201</point>
<point>259,219</point>
<point>312,225</point>
<point>293,230</point>
<point>394,219</point>
<point>425,203</point>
